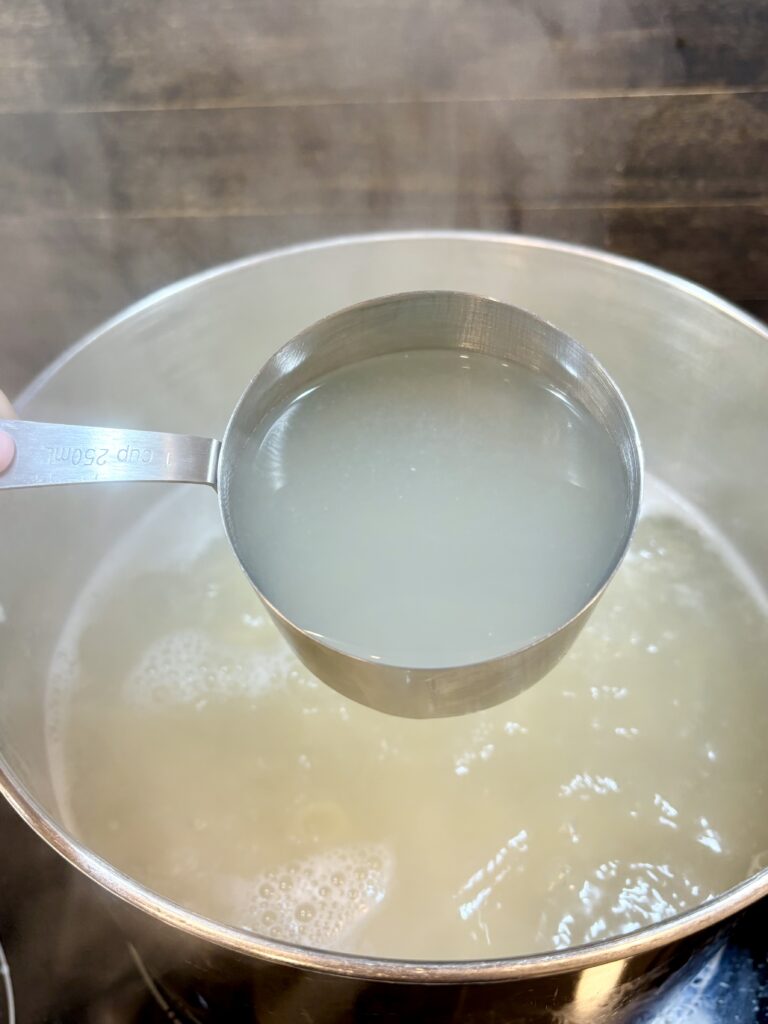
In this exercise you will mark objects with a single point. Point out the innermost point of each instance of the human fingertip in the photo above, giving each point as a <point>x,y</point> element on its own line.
<point>7,450</point>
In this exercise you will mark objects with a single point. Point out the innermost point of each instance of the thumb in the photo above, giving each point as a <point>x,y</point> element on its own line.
<point>7,447</point>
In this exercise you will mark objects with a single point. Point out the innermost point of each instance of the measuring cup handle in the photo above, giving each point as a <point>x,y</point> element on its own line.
<point>59,453</point>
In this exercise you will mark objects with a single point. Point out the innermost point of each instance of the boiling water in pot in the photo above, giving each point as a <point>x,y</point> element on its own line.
<point>193,751</point>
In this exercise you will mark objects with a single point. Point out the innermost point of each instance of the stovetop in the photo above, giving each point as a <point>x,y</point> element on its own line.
<point>66,962</point>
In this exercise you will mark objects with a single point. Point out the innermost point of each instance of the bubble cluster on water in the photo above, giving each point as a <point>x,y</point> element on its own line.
<point>321,898</point>
<point>186,666</point>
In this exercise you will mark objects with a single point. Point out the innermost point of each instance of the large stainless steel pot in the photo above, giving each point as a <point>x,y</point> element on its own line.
<point>695,372</point>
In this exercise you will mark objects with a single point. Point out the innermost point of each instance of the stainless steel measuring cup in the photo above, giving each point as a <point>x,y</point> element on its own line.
<point>51,453</point>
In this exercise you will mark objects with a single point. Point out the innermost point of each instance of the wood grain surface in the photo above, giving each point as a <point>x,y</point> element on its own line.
<point>142,140</point>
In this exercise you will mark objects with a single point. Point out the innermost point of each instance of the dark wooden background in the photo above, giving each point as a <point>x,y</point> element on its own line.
<point>141,140</point>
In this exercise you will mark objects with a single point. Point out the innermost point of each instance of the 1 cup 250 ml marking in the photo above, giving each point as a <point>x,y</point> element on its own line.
<point>101,456</point>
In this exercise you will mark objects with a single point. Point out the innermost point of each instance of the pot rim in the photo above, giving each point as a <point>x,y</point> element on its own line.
<point>576,958</point>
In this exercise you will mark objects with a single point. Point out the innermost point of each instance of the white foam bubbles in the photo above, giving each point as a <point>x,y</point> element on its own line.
<point>320,899</point>
<point>187,667</point>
